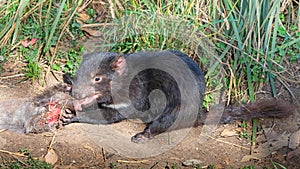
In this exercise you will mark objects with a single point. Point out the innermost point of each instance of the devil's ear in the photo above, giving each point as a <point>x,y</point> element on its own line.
<point>119,64</point>
<point>67,78</point>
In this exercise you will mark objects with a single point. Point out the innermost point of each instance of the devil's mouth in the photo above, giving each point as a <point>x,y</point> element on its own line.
<point>85,101</point>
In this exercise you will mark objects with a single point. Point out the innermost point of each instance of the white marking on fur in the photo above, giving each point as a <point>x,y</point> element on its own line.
<point>117,106</point>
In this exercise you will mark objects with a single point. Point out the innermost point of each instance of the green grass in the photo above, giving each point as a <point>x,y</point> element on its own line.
<point>244,133</point>
<point>277,165</point>
<point>113,165</point>
<point>47,21</point>
<point>248,167</point>
<point>26,162</point>
<point>72,60</point>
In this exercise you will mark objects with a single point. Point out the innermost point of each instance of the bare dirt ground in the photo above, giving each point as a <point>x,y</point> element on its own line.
<point>77,149</point>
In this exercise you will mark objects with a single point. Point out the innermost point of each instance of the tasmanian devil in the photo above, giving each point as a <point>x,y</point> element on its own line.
<point>109,87</point>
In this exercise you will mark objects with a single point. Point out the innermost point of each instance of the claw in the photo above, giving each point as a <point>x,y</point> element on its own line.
<point>142,137</point>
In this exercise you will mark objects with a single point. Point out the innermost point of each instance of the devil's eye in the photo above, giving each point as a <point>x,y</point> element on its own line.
<point>98,79</point>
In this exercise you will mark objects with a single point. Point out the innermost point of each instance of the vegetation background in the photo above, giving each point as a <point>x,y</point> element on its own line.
<point>255,42</point>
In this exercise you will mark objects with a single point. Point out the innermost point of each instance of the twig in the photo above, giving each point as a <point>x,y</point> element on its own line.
<point>51,143</point>
<point>83,6</point>
<point>222,141</point>
<point>133,162</point>
<point>231,83</point>
<point>254,135</point>
<point>285,85</point>
<point>111,8</point>
<point>288,80</point>
<point>155,164</point>
<point>2,130</point>
<point>97,25</point>
<point>103,154</point>
<point>12,153</point>
<point>12,76</point>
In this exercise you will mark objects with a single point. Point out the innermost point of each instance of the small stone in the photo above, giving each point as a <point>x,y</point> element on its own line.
<point>294,140</point>
<point>192,162</point>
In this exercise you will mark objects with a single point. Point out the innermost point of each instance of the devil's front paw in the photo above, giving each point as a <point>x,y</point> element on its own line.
<point>142,137</point>
<point>68,117</point>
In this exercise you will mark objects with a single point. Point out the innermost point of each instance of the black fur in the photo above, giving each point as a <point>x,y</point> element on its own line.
<point>104,65</point>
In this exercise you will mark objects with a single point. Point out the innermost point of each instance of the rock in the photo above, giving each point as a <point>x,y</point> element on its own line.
<point>192,162</point>
<point>294,140</point>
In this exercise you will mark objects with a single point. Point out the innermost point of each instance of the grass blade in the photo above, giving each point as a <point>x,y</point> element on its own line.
<point>17,19</point>
<point>54,25</point>
<point>273,46</point>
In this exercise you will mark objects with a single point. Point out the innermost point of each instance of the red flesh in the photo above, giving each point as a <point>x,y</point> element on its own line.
<point>53,114</point>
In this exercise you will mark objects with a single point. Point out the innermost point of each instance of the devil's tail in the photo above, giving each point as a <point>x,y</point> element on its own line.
<point>267,108</point>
